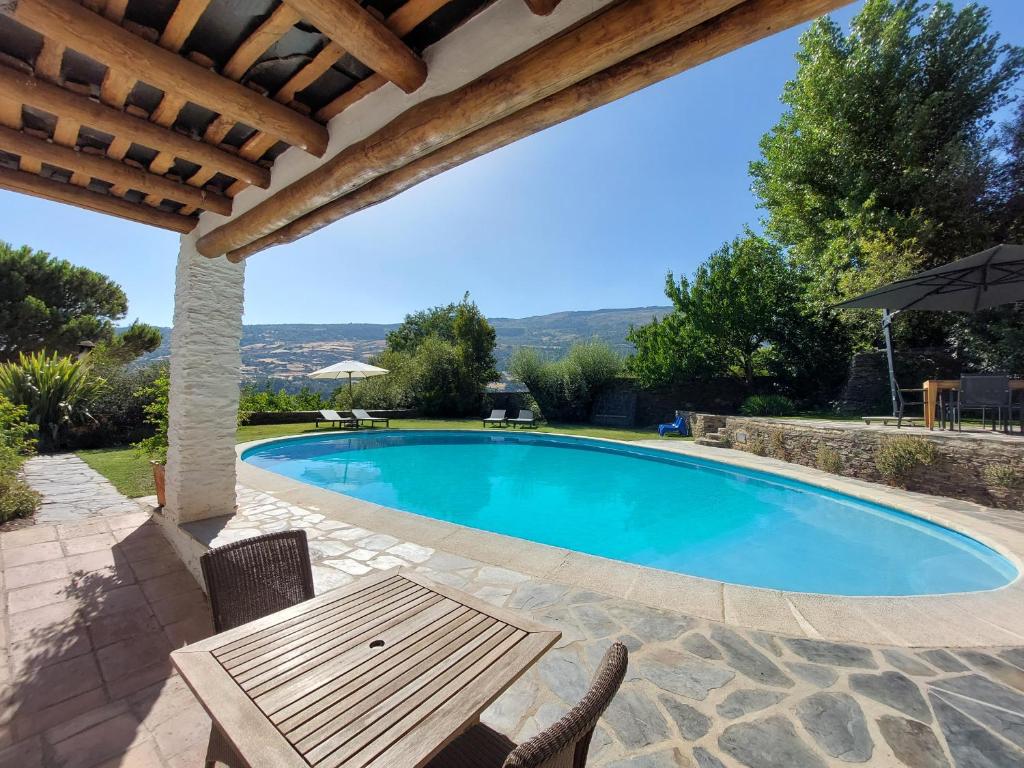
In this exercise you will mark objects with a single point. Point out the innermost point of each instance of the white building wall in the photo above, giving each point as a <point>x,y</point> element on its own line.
<point>205,371</point>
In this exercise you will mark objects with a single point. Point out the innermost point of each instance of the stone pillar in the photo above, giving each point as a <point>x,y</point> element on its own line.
<point>205,372</point>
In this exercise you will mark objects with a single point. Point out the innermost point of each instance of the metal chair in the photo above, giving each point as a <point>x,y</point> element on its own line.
<point>984,393</point>
<point>248,580</point>
<point>902,403</point>
<point>564,745</point>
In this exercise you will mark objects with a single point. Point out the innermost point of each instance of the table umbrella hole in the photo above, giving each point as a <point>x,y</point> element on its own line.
<point>377,644</point>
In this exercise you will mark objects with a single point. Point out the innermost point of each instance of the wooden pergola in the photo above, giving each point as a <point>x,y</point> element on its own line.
<point>244,124</point>
<point>163,112</point>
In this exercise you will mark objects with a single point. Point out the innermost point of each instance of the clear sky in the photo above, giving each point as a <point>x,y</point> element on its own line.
<point>585,215</point>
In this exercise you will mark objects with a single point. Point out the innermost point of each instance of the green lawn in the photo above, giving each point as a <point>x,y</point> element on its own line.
<point>132,475</point>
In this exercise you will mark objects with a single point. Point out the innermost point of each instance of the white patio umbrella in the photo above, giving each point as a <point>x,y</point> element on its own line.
<point>350,369</point>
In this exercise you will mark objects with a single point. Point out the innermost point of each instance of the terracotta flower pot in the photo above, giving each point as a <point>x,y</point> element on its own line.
<point>159,471</point>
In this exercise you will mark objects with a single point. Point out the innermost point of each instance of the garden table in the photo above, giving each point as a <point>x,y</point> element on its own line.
<point>384,672</point>
<point>933,387</point>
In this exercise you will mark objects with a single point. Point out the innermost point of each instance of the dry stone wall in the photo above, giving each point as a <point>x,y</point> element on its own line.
<point>973,469</point>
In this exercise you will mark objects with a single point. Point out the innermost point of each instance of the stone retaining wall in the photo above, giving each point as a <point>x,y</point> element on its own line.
<point>963,467</point>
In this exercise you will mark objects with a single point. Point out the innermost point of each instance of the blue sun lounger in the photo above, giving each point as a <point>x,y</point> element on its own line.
<point>679,425</point>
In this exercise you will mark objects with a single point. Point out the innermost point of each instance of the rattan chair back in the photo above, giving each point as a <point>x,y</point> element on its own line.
<point>566,743</point>
<point>255,577</point>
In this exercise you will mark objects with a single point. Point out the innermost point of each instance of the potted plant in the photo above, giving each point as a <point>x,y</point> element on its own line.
<point>155,446</point>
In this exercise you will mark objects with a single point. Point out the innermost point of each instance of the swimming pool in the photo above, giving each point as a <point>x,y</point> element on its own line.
<point>645,506</point>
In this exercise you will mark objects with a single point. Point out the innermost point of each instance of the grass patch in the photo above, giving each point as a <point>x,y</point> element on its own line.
<point>129,472</point>
<point>132,475</point>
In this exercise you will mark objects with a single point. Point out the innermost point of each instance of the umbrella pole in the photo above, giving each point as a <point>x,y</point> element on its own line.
<point>887,334</point>
<point>351,402</point>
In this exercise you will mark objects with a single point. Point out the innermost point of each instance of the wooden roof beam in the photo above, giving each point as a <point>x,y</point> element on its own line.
<point>61,192</point>
<point>55,100</point>
<point>745,24</point>
<point>367,38</point>
<point>542,7</point>
<point>110,44</point>
<point>622,31</point>
<point>97,167</point>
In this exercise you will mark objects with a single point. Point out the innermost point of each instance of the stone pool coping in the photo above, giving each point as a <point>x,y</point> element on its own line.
<point>993,617</point>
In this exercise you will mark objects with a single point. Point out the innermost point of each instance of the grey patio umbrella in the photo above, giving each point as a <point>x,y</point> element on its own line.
<point>987,279</point>
<point>351,369</point>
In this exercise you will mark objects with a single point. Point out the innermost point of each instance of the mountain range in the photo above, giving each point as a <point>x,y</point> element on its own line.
<point>288,352</point>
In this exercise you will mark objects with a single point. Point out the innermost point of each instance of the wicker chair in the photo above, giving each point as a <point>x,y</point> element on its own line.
<point>563,745</point>
<point>246,581</point>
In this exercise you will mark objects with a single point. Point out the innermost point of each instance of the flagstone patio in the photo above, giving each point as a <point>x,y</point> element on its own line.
<point>92,610</point>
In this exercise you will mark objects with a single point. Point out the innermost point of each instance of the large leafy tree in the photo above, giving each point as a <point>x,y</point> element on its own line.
<point>48,303</point>
<point>447,355</point>
<point>743,300</point>
<point>882,163</point>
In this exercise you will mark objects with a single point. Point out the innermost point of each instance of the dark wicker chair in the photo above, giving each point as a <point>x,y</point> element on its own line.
<point>563,745</point>
<point>246,581</point>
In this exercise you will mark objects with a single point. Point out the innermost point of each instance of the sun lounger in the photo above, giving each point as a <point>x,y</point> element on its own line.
<point>334,417</point>
<point>496,417</point>
<point>678,426</point>
<point>524,419</point>
<point>362,416</point>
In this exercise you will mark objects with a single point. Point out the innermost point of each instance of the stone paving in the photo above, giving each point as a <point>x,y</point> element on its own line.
<point>91,611</point>
<point>72,490</point>
<point>701,693</point>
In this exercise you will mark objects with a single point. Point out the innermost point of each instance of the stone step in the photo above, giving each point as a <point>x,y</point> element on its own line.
<point>712,439</point>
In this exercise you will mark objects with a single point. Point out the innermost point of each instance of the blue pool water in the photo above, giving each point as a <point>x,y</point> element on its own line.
<point>647,507</point>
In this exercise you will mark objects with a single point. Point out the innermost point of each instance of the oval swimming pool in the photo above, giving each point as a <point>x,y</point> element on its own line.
<point>647,507</point>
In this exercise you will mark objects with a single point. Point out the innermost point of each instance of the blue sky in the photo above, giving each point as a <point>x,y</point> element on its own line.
<point>585,215</point>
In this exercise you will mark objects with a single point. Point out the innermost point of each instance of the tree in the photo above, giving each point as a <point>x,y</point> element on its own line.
<point>48,303</point>
<point>882,165</point>
<point>123,347</point>
<point>447,356</point>
<point>566,389</point>
<point>741,300</point>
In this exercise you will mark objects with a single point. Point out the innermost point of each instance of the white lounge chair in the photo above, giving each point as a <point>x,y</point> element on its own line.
<point>361,416</point>
<point>524,419</point>
<point>328,415</point>
<point>496,417</point>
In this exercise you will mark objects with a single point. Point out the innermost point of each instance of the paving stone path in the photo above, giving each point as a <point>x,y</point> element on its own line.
<point>72,490</point>
<point>700,693</point>
<point>92,608</point>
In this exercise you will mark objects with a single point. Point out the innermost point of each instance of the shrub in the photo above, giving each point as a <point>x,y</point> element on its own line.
<point>767,405</point>
<point>898,457</point>
<point>828,460</point>
<point>1004,476</point>
<point>16,498</point>
<point>157,395</point>
<point>118,411</point>
<point>566,389</point>
<point>16,443</point>
<point>57,391</point>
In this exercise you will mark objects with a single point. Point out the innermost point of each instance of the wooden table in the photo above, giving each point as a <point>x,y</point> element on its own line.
<point>381,673</point>
<point>933,387</point>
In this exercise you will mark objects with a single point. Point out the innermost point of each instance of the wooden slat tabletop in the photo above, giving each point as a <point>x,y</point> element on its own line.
<point>381,673</point>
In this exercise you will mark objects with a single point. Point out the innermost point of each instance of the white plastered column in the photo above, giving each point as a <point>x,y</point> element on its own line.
<point>205,371</point>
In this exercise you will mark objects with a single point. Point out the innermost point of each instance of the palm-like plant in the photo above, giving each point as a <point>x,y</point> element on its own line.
<point>57,391</point>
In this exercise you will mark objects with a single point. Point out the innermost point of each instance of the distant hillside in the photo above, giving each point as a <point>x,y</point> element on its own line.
<point>290,351</point>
